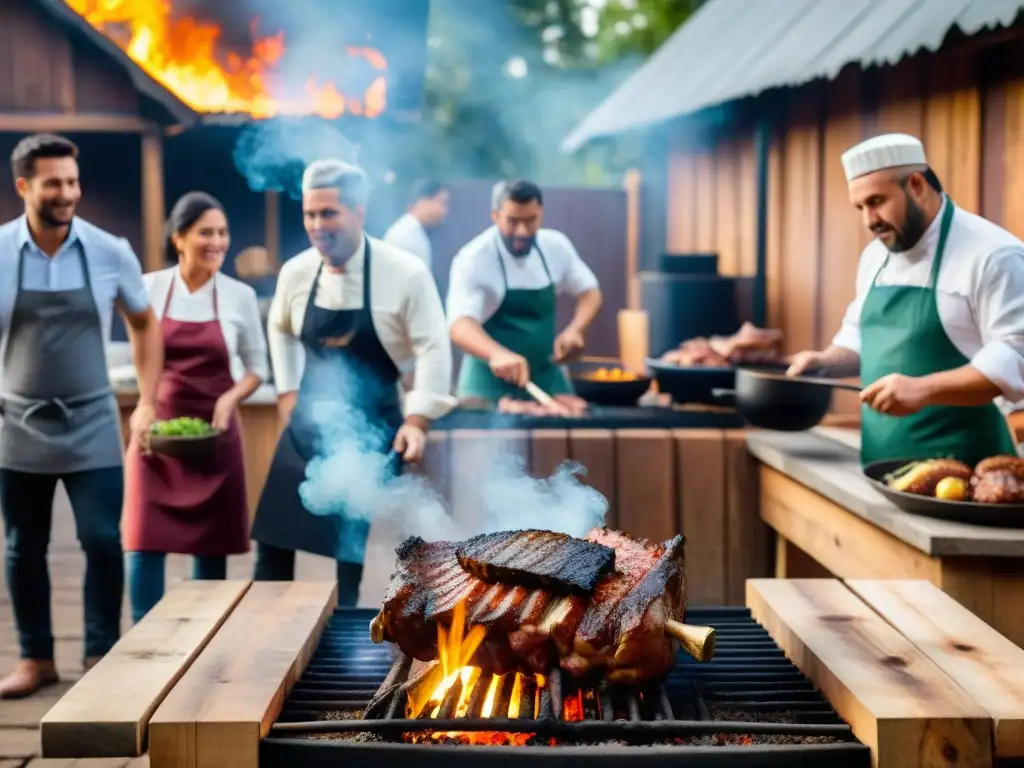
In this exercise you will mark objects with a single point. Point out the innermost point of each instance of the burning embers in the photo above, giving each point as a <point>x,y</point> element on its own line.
<point>185,55</point>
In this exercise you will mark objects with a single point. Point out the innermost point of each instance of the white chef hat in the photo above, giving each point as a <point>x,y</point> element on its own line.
<point>893,150</point>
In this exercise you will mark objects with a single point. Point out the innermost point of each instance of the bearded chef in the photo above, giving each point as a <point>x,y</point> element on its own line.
<point>501,300</point>
<point>346,314</point>
<point>936,328</point>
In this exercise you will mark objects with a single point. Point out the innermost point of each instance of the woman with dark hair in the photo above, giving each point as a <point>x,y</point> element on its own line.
<point>216,357</point>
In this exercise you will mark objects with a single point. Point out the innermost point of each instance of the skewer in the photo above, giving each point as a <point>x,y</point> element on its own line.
<point>697,641</point>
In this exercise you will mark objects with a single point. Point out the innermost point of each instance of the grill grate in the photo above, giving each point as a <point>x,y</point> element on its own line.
<point>748,707</point>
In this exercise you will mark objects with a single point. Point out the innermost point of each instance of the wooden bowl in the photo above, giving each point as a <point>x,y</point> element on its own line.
<point>181,446</point>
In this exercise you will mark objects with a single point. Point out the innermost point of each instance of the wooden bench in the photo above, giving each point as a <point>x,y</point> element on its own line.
<point>106,713</point>
<point>896,700</point>
<point>228,699</point>
<point>976,657</point>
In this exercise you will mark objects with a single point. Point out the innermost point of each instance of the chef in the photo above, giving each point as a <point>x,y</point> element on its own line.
<point>346,313</point>
<point>60,278</point>
<point>936,328</point>
<point>427,210</point>
<point>501,300</point>
<point>215,357</point>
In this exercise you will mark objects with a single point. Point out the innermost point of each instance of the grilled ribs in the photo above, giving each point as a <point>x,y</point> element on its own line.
<point>554,561</point>
<point>617,631</point>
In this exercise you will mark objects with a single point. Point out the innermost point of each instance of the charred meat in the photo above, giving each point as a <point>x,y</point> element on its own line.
<point>544,559</point>
<point>617,631</point>
<point>999,480</point>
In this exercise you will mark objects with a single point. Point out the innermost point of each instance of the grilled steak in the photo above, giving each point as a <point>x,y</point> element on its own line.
<point>617,631</point>
<point>555,561</point>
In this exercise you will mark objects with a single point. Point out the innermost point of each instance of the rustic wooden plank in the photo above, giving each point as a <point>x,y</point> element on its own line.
<point>895,699</point>
<point>227,700</point>
<point>749,542</point>
<point>549,449</point>
<point>976,657</point>
<point>842,542</point>
<point>791,562</point>
<point>700,462</point>
<point>705,212</point>
<point>476,456</point>
<point>107,711</point>
<point>595,450</point>
<point>646,488</point>
<point>726,202</point>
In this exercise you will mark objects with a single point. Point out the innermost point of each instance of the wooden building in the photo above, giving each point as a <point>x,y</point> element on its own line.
<point>961,91</point>
<point>58,74</point>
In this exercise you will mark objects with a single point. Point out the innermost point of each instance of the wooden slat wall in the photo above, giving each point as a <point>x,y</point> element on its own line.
<point>966,104</point>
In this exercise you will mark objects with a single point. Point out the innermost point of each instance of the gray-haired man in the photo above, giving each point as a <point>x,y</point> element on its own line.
<point>346,314</point>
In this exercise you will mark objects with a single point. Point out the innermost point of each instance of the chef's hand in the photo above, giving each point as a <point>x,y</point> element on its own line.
<point>896,395</point>
<point>410,442</point>
<point>802,362</point>
<point>567,343</point>
<point>510,367</point>
<point>223,410</point>
<point>140,423</point>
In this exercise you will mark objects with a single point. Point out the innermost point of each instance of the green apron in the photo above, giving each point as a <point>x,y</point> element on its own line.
<point>901,332</point>
<point>524,323</point>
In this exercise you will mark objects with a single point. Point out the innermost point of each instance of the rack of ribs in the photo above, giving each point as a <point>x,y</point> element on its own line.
<point>624,628</point>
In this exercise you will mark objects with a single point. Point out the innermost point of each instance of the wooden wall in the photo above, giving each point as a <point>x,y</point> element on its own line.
<point>967,106</point>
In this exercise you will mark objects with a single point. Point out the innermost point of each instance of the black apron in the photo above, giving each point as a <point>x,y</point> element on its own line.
<point>344,359</point>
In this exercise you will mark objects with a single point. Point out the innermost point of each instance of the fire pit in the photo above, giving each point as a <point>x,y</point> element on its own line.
<point>358,704</point>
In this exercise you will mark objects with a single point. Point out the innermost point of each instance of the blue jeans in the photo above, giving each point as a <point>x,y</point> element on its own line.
<point>26,500</point>
<point>277,564</point>
<point>146,577</point>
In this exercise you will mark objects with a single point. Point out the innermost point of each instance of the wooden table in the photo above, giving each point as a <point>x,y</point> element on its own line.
<point>829,521</point>
<point>921,681</point>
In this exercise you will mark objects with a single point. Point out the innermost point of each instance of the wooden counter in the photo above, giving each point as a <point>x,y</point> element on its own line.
<point>830,521</point>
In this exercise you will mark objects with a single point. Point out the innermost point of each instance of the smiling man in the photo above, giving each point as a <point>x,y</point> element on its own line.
<point>936,328</point>
<point>347,314</point>
<point>60,280</point>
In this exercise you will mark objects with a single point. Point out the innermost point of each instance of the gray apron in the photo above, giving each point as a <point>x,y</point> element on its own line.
<point>59,411</point>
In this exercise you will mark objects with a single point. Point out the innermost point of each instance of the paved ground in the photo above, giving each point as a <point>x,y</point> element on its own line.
<point>19,720</point>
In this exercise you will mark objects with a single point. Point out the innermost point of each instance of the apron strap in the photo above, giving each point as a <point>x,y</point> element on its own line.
<point>501,261</point>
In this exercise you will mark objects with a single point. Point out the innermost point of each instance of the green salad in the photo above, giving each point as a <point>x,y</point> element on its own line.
<point>182,426</point>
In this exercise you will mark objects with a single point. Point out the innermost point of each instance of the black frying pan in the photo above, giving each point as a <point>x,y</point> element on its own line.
<point>997,515</point>
<point>769,399</point>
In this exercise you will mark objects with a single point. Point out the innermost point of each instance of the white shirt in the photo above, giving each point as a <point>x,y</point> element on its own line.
<point>980,294</point>
<point>237,310</point>
<point>407,316</point>
<point>476,286</point>
<point>408,234</point>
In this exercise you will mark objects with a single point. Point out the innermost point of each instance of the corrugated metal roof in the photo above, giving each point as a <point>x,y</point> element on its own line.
<point>731,49</point>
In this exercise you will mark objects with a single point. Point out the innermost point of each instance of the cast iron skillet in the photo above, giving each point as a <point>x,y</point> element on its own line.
<point>769,399</point>
<point>606,392</point>
<point>997,515</point>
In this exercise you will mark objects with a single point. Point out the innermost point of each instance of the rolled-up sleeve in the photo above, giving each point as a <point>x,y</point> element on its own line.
<point>466,296</point>
<point>131,289</point>
<point>430,395</point>
<point>999,305</point>
<point>287,357</point>
<point>252,344</point>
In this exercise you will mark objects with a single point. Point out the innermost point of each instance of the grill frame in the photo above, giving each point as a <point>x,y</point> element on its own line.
<point>749,674</point>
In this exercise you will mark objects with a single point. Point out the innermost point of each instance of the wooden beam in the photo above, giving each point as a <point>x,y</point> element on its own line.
<point>631,183</point>
<point>106,713</point>
<point>976,657</point>
<point>272,225</point>
<point>228,699</point>
<point>154,209</point>
<point>70,122</point>
<point>895,699</point>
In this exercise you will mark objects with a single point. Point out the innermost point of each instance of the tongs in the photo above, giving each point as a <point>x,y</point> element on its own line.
<point>544,398</point>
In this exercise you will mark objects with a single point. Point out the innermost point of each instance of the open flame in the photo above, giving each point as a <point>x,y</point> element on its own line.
<point>183,55</point>
<point>440,700</point>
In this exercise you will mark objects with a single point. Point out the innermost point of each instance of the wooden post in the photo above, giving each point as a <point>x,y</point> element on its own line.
<point>631,183</point>
<point>153,205</point>
<point>272,227</point>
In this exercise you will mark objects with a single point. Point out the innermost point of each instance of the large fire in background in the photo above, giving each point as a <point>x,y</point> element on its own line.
<point>183,53</point>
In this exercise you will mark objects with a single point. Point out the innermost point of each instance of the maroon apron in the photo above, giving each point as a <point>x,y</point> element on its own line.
<point>189,505</point>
